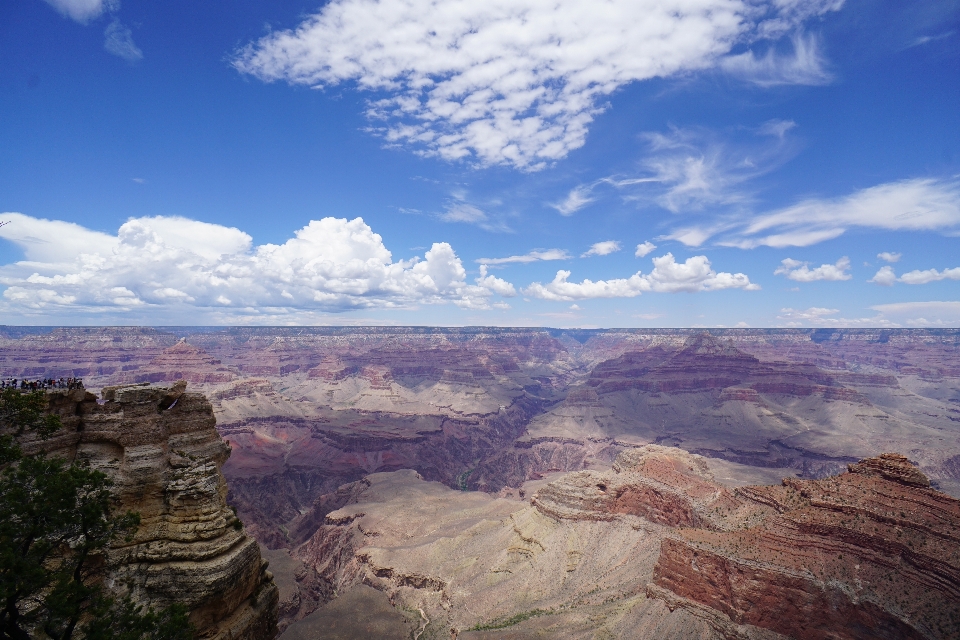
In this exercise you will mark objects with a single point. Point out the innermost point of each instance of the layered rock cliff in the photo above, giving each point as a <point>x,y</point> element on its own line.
<point>160,446</point>
<point>654,547</point>
<point>872,553</point>
<point>573,564</point>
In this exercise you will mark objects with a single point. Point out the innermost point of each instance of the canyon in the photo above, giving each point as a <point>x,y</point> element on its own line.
<point>449,480</point>
<point>654,547</point>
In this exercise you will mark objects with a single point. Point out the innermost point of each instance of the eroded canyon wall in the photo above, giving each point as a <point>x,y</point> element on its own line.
<point>654,547</point>
<point>308,409</point>
<point>160,446</point>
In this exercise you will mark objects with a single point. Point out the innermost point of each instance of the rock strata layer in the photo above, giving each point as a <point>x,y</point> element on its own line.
<point>872,553</point>
<point>160,446</point>
<point>573,562</point>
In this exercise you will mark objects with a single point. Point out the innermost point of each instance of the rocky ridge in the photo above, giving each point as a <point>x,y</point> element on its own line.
<point>160,446</point>
<point>652,548</point>
<point>872,553</point>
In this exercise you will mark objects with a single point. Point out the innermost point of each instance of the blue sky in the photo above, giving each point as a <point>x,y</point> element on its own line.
<point>522,162</point>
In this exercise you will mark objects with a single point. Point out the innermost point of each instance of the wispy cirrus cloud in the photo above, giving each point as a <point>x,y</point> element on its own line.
<point>825,317</point>
<point>803,65</point>
<point>514,82</point>
<point>117,37</point>
<point>919,204</point>
<point>668,276</point>
<point>578,198</point>
<point>801,272</point>
<point>933,313</point>
<point>922,40</point>
<point>689,169</point>
<point>533,256</point>
<point>922,204</point>
<point>180,268</point>
<point>460,211</point>
<point>118,40</point>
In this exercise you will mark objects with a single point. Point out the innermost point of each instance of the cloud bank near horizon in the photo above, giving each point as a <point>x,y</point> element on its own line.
<point>668,276</point>
<point>187,268</point>
<point>161,263</point>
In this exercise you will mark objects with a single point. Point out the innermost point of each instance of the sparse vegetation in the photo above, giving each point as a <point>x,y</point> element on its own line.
<point>503,623</point>
<point>463,480</point>
<point>56,526</point>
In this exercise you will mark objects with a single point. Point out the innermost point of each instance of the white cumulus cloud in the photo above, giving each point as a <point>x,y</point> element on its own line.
<point>602,248</point>
<point>887,277</point>
<point>513,82</point>
<point>930,275</point>
<point>888,256</point>
<point>644,249</point>
<point>497,285</point>
<point>159,264</point>
<point>668,276</point>
<point>884,276</point>
<point>801,271</point>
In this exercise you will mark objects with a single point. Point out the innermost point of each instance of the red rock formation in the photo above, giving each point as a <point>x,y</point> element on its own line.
<point>660,484</point>
<point>79,351</point>
<point>872,553</point>
<point>182,361</point>
<point>332,369</point>
<point>708,364</point>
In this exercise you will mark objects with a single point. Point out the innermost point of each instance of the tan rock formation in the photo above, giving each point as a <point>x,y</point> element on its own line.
<point>568,566</point>
<point>872,553</point>
<point>161,447</point>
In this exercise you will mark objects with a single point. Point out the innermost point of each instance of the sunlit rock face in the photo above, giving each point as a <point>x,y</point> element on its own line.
<point>160,446</point>
<point>871,553</point>
<point>654,547</point>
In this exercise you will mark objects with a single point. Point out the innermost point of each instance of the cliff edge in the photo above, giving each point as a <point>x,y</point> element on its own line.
<point>160,446</point>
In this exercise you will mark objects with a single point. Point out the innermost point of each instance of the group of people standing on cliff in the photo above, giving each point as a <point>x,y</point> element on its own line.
<point>41,384</point>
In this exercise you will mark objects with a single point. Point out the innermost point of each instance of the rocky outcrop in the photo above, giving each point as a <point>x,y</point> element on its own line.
<point>661,484</point>
<point>654,547</point>
<point>572,565</point>
<point>872,553</point>
<point>706,363</point>
<point>160,446</point>
<point>182,361</point>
